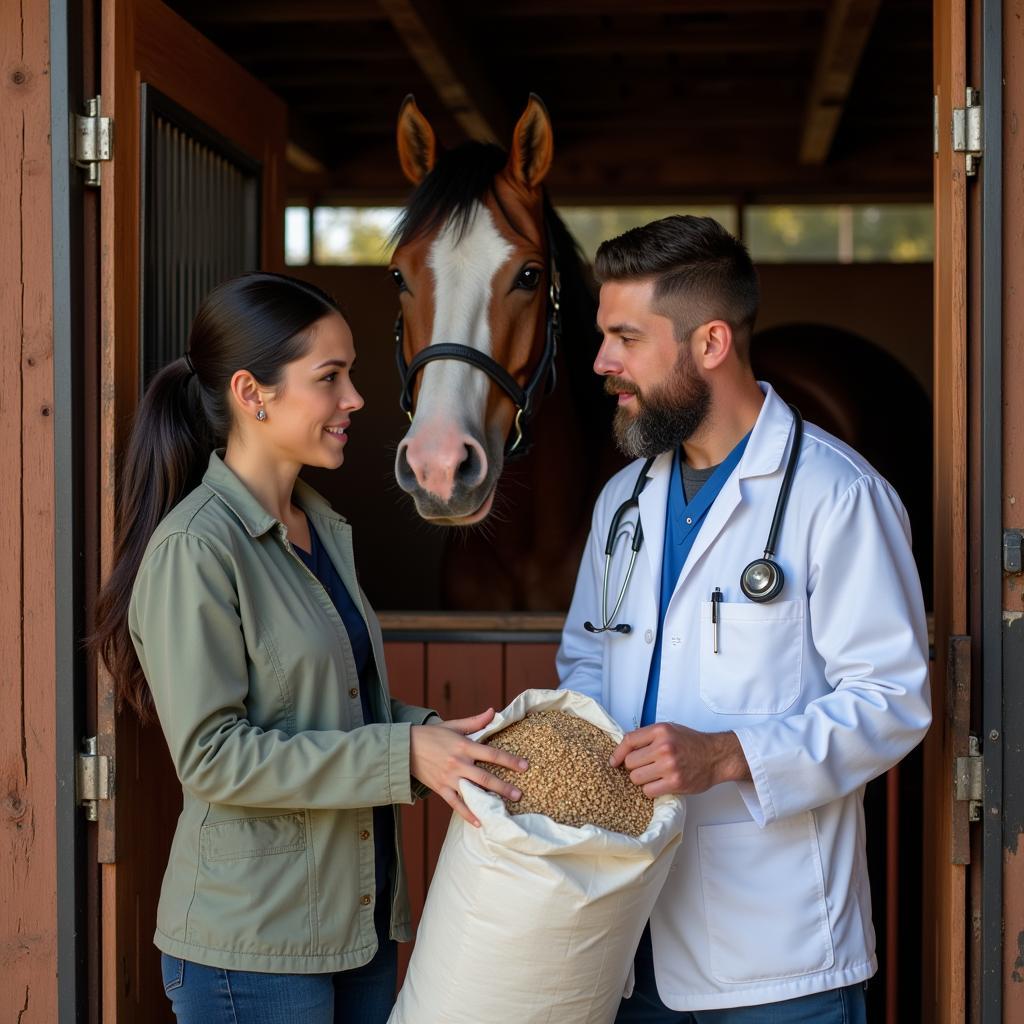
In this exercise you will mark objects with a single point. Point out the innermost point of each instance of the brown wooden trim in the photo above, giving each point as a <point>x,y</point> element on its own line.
<point>28,754</point>
<point>463,622</point>
<point>944,934</point>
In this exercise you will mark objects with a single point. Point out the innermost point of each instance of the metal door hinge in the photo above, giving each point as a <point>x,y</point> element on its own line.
<point>94,778</point>
<point>967,130</point>
<point>969,779</point>
<point>92,140</point>
<point>1011,550</point>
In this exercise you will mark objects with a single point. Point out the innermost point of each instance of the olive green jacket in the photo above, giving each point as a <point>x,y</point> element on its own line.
<point>256,688</point>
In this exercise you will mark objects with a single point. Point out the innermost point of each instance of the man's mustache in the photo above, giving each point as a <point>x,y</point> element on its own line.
<point>618,386</point>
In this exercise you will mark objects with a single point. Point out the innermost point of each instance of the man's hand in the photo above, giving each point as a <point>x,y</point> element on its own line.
<point>667,758</point>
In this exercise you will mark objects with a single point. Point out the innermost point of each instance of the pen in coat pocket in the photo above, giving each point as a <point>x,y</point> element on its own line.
<point>716,600</point>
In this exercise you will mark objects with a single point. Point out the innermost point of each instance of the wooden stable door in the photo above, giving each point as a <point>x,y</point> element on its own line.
<point>194,193</point>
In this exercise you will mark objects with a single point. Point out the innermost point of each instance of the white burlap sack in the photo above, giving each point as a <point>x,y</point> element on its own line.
<point>530,921</point>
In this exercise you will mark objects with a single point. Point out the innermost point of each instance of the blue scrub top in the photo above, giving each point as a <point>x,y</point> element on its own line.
<point>682,524</point>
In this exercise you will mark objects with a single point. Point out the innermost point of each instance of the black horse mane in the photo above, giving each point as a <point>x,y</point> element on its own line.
<point>463,176</point>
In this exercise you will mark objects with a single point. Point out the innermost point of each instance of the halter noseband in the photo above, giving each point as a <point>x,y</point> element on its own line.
<point>522,397</point>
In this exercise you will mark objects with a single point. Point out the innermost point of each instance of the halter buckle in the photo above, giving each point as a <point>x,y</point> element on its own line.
<point>519,430</point>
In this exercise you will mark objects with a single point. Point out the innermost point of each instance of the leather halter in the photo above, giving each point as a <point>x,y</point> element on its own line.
<point>522,397</point>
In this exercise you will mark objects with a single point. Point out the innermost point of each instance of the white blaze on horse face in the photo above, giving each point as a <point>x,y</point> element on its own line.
<point>464,269</point>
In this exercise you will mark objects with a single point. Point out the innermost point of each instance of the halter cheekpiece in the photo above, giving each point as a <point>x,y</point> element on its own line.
<point>523,398</point>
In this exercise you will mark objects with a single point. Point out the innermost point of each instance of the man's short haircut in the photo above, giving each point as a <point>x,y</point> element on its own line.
<point>700,273</point>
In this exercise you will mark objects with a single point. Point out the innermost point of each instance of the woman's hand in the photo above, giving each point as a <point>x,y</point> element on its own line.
<point>440,755</point>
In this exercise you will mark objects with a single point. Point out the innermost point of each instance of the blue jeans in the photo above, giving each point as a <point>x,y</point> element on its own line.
<point>840,1006</point>
<point>212,995</point>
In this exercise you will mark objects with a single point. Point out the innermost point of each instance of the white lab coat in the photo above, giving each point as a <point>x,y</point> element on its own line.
<point>826,687</point>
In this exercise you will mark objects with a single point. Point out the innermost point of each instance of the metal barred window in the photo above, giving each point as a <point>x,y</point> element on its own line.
<point>200,223</point>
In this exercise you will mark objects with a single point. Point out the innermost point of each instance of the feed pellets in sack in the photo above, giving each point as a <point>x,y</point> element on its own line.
<point>530,919</point>
<point>569,778</point>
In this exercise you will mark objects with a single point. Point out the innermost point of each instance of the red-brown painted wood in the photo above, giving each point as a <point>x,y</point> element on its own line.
<point>528,667</point>
<point>407,680</point>
<point>462,679</point>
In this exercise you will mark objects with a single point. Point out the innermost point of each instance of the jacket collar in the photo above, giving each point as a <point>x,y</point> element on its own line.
<point>255,519</point>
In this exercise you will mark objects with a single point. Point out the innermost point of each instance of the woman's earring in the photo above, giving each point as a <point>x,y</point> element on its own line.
<point>261,415</point>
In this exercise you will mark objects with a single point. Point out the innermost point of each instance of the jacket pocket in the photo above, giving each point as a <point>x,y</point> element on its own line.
<point>255,885</point>
<point>757,668</point>
<point>238,838</point>
<point>764,900</point>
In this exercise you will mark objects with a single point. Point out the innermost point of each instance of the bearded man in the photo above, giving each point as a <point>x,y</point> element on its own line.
<point>769,694</point>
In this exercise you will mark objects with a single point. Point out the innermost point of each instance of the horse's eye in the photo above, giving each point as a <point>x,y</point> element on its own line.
<point>396,276</point>
<point>528,279</point>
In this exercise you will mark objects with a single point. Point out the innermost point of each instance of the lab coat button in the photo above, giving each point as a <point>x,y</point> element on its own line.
<point>353,693</point>
<point>364,834</point>
<point>649,636</point>
<point>365,900</point>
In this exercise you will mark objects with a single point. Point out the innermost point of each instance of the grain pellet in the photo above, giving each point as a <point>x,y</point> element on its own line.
<point>569,778</point>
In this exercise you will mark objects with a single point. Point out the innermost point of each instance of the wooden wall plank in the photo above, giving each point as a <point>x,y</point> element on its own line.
<point>408,683</point>
<point>462,680</point>
<point>28,842</point>
<point>529,666</point>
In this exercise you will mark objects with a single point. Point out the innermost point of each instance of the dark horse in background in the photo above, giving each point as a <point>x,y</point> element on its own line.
<point>495,305</point>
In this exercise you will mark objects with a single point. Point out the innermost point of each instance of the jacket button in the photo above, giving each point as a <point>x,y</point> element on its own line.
<point>649,636</point>
<point>365,900</point>
<point>353,693</point>
<point>364,834</point>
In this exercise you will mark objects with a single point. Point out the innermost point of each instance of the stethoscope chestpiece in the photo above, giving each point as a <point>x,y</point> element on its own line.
<point>762,580</point>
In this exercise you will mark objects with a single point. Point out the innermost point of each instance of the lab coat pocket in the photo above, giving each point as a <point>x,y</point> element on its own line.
<point>757,668</point>
<point>764,899</point>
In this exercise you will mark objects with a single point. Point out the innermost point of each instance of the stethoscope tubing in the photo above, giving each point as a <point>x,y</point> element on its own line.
<point>637,541</point>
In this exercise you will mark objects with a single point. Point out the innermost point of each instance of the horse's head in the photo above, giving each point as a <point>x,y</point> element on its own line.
<point>476,329</point>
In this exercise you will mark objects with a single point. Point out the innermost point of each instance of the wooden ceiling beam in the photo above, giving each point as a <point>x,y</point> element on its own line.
<point>276,12</point>
<point>545,8</point>
<point>892,169</point>
<point>447,60</point>
<point>846,34</point>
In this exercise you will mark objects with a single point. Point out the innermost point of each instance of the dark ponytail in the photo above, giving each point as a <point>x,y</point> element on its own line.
<point>257,322</point>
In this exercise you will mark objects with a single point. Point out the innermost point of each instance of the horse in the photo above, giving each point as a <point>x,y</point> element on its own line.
<point>495,305</point>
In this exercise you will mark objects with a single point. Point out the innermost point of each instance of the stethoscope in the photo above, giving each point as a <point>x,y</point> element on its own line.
<point>761,581</point>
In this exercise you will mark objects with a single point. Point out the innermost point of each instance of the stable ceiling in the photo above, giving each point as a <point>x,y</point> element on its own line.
<point>731,99</point>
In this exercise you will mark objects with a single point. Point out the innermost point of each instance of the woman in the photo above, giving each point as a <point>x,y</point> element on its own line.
<point>233,612</point>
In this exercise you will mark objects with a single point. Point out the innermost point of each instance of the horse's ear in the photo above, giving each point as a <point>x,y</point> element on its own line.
<point>417,147</point>
<point>533,146</point>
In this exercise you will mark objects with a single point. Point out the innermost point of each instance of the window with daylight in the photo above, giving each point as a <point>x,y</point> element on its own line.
<point>846,233</point>
<point>790,233</point>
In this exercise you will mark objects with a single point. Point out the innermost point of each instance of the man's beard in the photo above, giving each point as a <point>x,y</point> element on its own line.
<point>665,417</point>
